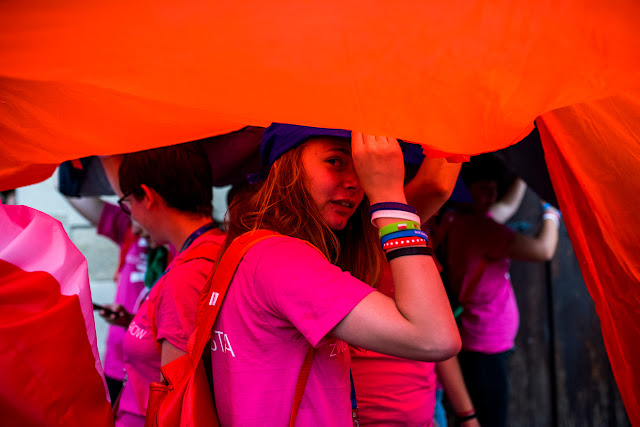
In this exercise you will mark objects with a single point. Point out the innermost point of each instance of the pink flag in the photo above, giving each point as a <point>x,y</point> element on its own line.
<point>50,370</point>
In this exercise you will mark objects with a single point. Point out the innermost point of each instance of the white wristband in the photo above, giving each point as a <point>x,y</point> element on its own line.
<point>553,216</point>
<point>395,214</point>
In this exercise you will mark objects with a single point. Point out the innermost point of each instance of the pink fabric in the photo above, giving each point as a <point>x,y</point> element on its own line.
<point>489,322</point>
<point>50,369</point>
<point>285,296</point>
<point>171,306</point>
<point>114,224</point>
<point>391,391</point>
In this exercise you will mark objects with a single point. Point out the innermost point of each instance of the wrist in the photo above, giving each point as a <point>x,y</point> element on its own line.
<point>464,416</point>
<point>385,198</point>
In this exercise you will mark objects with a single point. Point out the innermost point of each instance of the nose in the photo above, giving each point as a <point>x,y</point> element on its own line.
<point>350,178</point>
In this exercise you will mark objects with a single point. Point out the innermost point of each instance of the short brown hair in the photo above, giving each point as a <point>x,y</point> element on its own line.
<point>180,174</point>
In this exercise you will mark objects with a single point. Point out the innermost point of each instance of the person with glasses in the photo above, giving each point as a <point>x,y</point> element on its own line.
<point>168,191</point>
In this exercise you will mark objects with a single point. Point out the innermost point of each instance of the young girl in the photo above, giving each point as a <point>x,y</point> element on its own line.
<point>478,254</point>
<point>287,296</point>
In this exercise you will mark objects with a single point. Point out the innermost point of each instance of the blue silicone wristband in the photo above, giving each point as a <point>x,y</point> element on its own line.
<point>392,206</point>
<point>404,233</point>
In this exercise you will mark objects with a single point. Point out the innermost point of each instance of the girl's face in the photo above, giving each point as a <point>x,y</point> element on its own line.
<point>332,179</point>
<point>484,194</point>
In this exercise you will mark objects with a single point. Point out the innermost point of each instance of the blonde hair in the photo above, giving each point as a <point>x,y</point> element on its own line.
<point>283,203</point>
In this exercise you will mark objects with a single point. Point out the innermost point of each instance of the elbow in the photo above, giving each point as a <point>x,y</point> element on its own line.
<point>447,347</point>
<point>442,192</point>
<point>548,252</point>
<point>451,348</point>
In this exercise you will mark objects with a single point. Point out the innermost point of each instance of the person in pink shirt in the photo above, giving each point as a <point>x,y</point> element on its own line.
<point>287,296</point>
<point>168,191</point>
<point>114,224</point>
<point>392,391</point>
<point>478,254</point>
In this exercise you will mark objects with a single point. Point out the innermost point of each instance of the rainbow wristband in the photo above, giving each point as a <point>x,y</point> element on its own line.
<point>398,226</point>
<point>405,233</point>
<point>395,214</point>
<point>392,206</point>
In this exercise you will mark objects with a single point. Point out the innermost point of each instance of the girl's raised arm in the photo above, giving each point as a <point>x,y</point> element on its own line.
<point>418,324</point>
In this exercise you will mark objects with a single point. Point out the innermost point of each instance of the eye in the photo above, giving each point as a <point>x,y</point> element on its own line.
<point>335,161</point>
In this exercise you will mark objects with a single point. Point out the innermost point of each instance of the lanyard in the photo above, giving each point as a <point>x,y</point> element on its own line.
<point>354,403</point>
<point>199,232</point>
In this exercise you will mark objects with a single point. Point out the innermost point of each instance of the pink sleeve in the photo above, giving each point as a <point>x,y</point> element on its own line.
<point>113,223</point>
<point>178,303</point>
<point>297,283</point>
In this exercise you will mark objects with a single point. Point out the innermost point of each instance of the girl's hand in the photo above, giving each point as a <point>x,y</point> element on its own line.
<point>380,167</point>
<point>117,316</point>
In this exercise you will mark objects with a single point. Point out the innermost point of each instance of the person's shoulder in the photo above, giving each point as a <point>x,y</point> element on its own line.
<point>207,246</point>
<point>284,246</point>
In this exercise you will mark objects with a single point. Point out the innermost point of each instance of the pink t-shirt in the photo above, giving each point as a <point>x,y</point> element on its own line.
<point>489,322</point>
<point>284,297</point>
<point>114,224</point>
<point>391,391</point>
<point>171,305</point>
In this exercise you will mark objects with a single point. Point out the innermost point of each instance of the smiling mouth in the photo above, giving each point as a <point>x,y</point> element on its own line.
<point>344,203</point>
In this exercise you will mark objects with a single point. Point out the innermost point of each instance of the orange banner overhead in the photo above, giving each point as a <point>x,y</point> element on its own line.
<point>593,154</point>
<point>103,77</point>
<point>96,77</point>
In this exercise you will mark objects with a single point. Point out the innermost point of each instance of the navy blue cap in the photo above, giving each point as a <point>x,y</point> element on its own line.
<point>460,193</point>
<point>280,138</point>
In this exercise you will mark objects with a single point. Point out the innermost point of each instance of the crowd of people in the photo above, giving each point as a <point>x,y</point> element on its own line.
<point>355,274</point>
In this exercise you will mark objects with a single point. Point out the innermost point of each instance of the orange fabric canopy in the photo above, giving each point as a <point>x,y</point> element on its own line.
<point>593,154</point>
<point>82,78</point>
<point>95,77</point>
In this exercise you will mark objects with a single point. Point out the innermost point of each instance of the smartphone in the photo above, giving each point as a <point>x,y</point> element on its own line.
<point>101,307</point>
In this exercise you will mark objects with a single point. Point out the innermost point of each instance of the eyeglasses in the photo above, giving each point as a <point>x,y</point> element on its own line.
<point>123,205</point>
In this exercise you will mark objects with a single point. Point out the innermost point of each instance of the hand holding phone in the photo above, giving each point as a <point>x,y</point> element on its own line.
<point>114,314</point>
<point>107,310</point>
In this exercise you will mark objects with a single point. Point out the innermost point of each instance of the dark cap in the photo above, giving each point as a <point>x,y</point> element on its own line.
<point>280,138</point>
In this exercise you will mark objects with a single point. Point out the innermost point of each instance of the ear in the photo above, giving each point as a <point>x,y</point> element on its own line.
<point>151,197</point>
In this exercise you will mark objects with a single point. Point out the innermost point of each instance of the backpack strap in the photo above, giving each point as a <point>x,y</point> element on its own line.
<point>301,384</point>
<point>216,289</point>
<point>211,300</point>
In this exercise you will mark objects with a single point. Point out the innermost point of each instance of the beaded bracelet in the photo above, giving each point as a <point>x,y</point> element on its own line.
<point>393,206</point>
<point>398,226</point>
<point>404,242</point>
<point>404,233</point>
<point>420,250</point>
<point>409,216</point>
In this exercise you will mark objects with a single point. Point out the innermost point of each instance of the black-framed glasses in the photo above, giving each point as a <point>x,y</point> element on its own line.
<point>122,204</point>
